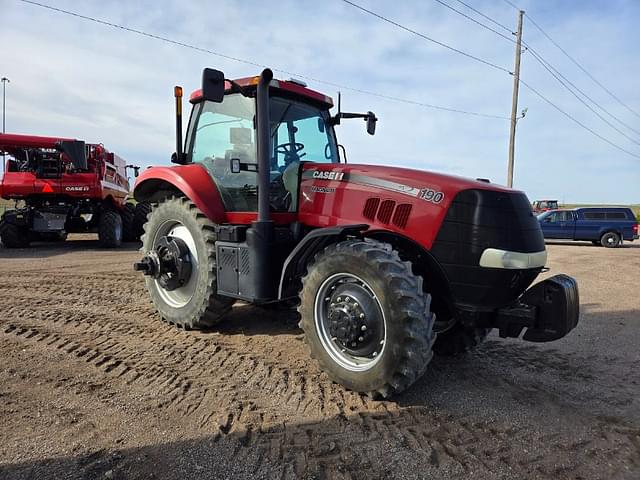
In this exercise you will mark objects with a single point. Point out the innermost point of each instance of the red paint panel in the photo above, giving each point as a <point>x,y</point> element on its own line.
<point>348,202</point>
<point>194,181</point>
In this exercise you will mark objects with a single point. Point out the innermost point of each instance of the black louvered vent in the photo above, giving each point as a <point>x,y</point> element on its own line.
<point>401,215</point>
<point>371,208</point>
<point>386,210</point>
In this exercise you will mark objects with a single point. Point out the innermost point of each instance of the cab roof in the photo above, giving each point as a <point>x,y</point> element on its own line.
<point>292,86</point>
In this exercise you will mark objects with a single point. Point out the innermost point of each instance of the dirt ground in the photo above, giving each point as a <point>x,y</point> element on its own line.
<point>94,386</point>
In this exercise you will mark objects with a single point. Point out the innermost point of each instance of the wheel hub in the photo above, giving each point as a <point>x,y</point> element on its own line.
<point>169,263</point>
<point>354,320</point>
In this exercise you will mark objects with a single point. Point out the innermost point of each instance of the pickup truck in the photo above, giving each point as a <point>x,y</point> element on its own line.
<point>602,226</point>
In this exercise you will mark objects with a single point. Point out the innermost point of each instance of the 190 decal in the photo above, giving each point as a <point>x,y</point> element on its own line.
<point>431,195</point>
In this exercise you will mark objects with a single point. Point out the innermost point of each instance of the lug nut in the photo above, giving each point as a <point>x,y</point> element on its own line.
<point>362,316</point>
<point>355,305</point>
<point>360,339</point>
<point>339,299</point>
<point>375,354</point>
<point>363,328</point>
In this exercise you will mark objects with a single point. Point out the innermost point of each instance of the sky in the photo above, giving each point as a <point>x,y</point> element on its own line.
<point>74,78</point>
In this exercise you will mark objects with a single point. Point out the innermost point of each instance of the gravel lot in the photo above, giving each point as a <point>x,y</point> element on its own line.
<point>93,386</point>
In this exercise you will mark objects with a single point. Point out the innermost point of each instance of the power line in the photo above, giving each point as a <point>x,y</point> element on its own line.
<point>425,37</point>
<point>492,20</point>
<point>259,65</point>
<point>570,117</point>
<point>584,70</point>
<point>486,27</point>
<point>551,69</point>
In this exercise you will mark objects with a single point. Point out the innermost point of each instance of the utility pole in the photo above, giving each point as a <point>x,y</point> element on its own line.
<point>514,101</point>
<point>4,81</point>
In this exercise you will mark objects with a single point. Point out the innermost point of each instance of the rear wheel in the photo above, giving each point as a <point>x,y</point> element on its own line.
<point>13,236</point>
<point>610,240</point>
<point>128,218</point>
<point>142,211</point>
<point>181,240</point>
<point>110,229</point>
<point>459,339</point>
<point>365,317</point>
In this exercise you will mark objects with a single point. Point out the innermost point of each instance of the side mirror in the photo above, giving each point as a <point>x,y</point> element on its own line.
<point>371,123</point>
<point>212,85</point>
<point>234,165</point>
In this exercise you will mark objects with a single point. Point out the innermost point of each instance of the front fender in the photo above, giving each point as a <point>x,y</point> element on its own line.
<point>192,181</point>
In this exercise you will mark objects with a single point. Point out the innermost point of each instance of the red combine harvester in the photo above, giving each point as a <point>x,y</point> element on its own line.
<point>388,264</point>
<point>67,186</point>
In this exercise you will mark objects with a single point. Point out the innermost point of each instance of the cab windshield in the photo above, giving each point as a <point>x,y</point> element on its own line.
<point>219,132</point>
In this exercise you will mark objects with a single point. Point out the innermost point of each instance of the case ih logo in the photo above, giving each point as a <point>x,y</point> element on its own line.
<point>328,175</point>
<point>76,189</point>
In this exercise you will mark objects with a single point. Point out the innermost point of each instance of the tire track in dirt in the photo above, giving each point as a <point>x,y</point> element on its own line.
<point>278,411</point>
<point>261,392</point>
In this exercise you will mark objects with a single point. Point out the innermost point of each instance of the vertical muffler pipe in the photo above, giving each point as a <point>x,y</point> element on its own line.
<point>260,235</point>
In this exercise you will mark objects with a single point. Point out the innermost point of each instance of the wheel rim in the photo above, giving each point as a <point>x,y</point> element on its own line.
<point>611,240</point>
<point>350,322</point>
<point>180,296</point>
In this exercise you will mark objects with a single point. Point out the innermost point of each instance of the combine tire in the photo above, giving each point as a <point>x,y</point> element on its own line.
<point>610,240</point>
<point>143,209</point>
<point>365,317</point>
<point>458,340</point>
<point>110,229</point>
<point>13,236</point>
<point>194,304</point>
<point>128,223</point>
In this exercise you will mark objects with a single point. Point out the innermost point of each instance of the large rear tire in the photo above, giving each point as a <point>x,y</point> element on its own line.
<point>459,339</point>
<point>128,223</point>
<point>610,240</point>
<point>195,304</point>
<point>365,317</point>
<point>142,211</point>
<point>13,236</point>
<point>110,229</point>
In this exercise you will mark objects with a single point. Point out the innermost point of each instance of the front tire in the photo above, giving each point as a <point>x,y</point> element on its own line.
<point>110,229</point>
<point>459,339</point>
<point>194,304</point>
<point>360,283</point>
<point>13,236</point>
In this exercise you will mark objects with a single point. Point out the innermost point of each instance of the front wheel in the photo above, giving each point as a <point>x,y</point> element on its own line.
<point>13,236</point>
<point>110,229</point>
<point>179,240</point>
<point>365,317</point>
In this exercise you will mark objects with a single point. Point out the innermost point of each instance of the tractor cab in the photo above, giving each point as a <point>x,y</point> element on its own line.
<point>221,137</point>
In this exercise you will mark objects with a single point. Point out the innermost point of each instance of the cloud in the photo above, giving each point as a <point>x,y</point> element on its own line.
<point>75,78</point>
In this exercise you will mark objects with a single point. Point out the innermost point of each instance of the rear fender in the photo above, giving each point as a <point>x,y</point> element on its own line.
<point>192,180</point>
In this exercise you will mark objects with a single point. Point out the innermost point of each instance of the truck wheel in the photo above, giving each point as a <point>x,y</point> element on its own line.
<point>143,209</point>
<point>610,240</point>
<point>365,317</point>
<point>128,228</point>
<point>110,229</point>
<point>459,339</point>
<point>13,236</point>
<point>192,302</point>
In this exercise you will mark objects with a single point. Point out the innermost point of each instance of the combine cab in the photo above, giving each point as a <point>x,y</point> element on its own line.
<point>65,186</point>
<point>387,264</point>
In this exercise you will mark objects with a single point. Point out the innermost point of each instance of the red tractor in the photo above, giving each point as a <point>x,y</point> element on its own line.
<point>388,264</point>
<point>66,186</point>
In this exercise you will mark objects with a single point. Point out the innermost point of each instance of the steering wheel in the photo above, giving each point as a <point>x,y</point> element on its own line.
<point>290,148</point>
